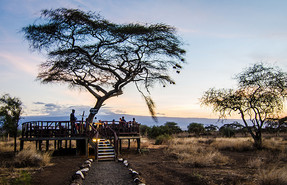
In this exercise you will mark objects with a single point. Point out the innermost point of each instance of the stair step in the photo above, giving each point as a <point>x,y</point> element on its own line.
<point>106,156</point>
<point>106,147</point>
<point>106,150</point>
<point>106,153</point>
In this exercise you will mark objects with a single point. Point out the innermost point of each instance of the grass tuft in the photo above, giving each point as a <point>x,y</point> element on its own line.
<point>30,158</point>
<point>187,150</point>
<point>273,176</point>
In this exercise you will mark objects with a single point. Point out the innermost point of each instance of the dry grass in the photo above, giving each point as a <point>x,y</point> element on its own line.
<point>273,176</point>
<point>31,157</point>
<point>187,150</point>
<point>233,144</point>
<point>273,144</point>
<point>255,162</point>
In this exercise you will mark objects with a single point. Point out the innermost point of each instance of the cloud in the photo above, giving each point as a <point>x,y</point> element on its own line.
<point>18,63</point>
<point>39,103</point>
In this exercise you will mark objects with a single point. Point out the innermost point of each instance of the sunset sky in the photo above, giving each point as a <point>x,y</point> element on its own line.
<point>222,37</point>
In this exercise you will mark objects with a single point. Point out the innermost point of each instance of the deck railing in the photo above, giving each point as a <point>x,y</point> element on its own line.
<point>44,129</point>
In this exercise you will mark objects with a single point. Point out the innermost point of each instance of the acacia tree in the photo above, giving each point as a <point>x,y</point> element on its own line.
<point>260,95</point>
<point>10,112</point>
<point>87,51</point>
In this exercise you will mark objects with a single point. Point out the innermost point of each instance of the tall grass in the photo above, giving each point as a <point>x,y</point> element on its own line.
<point>187,150</point>
<point>30,157</point>
<point>233,144</point>
<point>273,176</point>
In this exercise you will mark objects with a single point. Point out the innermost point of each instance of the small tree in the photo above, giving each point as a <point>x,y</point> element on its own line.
<point>260,95</point>
<point>173,127</point>
<point>87,51</point>
<point>10,112</point>
<point>196,128</point>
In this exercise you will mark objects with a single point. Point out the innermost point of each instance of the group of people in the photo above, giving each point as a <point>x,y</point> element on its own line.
<point>122,123</point>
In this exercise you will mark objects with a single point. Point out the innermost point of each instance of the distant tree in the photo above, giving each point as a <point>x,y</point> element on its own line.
<point>260,95</point>
<point>211,128</point>
<point>173,127</point>
<point>230,129</point>
<point>87,51</point>
<point>196,128</point>
<point>276,125</point>
<point>10,112</point>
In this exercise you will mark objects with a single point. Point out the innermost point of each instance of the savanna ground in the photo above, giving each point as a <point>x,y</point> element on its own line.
<point>181,160</point>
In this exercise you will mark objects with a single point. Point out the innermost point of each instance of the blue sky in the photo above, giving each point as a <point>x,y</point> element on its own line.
<point>222,37</point>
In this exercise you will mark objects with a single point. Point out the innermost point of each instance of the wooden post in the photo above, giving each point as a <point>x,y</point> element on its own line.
<point>55,144</point>
<point>87,147</point>
<point>40,145</point>
<point>21,145</point>
<point>47,145</point>
<point>129,143</point>
<point>66,144</point>
<point>139,144</point>
<point>120,140</point>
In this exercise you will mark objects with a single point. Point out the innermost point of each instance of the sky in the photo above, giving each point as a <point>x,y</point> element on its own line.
<point>221,38</point>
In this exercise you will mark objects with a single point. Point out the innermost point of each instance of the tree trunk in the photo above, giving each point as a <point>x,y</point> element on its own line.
<point>15,142</point>
<point>258,142</point>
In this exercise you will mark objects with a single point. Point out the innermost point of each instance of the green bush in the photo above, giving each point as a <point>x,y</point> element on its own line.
<point>161,139</point>
<point>24,179</point>
<point>196,128</point>
<point>227,131</point>
<point>144,130</point>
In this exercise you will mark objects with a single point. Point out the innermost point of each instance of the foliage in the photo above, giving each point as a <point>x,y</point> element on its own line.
<point>23,179</point>
<point>87,51</point>
<point>211,128</point>
<point>10,112</point>
<point>260,95</point>
<point>153,132</point>
<point>144,130</point>
<point>196,128</point>
<point>229,130</point>
<point>173,128</point>
<point>161,139</point>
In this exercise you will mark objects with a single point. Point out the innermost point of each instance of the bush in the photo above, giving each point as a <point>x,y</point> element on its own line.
<point>227,131</point>
<point>196,128</point>
<point>144,130</point>
<point>162,139</point>
<point>23,179</point>
<point>30,157</point>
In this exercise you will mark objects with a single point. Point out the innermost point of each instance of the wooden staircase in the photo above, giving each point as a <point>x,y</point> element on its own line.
<point>106,151</point>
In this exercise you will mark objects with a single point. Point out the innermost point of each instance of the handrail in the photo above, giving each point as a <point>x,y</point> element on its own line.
<point>116,143</point>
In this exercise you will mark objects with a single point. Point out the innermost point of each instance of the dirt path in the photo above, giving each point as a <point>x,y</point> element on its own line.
<point>59,173</point>
<point>108,173</point>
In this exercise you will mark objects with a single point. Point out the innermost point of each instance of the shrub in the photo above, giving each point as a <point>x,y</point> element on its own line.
<point>196,128</point>
<point>162,139</point>
<point>227,131</point>
<point>144,130</point>
<point>30,157</point>
<point>23,179</point>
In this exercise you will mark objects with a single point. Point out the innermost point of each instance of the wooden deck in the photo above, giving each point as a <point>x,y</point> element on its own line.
<point>80,131</point>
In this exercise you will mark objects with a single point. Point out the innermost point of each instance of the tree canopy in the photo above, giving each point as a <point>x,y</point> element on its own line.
<point>260,95</point>
<point>87,51</point>
<point>10,112</point>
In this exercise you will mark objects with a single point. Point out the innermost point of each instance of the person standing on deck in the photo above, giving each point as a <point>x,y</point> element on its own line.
<point>73,119</point>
